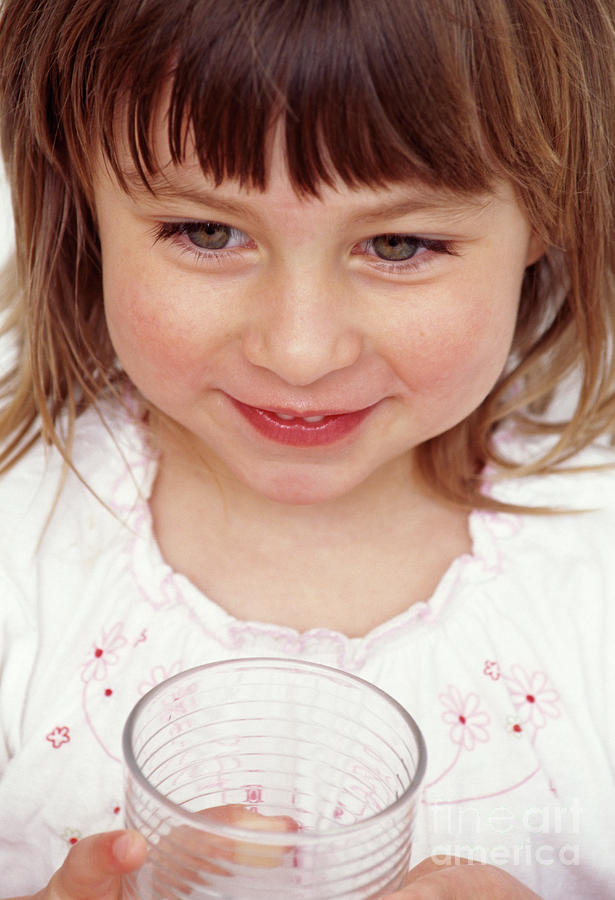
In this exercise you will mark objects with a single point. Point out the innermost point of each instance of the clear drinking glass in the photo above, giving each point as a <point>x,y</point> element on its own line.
<point>271,779</point>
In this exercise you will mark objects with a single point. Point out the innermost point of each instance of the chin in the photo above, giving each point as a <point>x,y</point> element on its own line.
<point>301,490</point>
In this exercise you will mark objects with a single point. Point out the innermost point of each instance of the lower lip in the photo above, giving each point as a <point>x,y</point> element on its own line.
<point>298,432</point>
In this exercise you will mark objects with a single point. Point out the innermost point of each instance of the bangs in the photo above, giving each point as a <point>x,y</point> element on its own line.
<point>366,91</point>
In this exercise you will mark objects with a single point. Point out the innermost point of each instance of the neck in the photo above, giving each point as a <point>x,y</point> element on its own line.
<point>347,564</point>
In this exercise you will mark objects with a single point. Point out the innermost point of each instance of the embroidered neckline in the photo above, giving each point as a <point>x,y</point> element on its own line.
<point>161,586</point>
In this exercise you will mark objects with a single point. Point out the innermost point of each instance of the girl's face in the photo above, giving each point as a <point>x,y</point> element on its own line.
<point>310,345</point>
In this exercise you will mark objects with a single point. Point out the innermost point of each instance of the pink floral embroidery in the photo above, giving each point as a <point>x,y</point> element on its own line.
<point>71,835</point>
<point>491,669</point>
<point>60,735</point>
<point>176,703</point>
<point>157,675</point>
<point>514,726</point>
<point>532,697</point>
<point>141,639</point>
<point>104,654</point>
<point>468,723</point>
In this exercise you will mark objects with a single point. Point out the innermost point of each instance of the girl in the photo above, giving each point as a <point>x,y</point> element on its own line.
<point>296,285</point>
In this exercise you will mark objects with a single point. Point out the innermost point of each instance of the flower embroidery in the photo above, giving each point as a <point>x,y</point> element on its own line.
<point>60,735</point>
<point>491,669</point>
<point>71,835</point>
<point>514,726</point>
<point>176,702</point>
<point>157,675</point>
<point>141,639</point>
<point>532,697</point>
<point>104,654</point>
<point>468,723</point>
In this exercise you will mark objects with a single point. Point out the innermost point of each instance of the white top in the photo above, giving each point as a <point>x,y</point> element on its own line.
<point>508,669</point>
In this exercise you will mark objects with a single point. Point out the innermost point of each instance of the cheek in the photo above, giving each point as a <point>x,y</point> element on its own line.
<point>151,340</point>
<point>460,350</point>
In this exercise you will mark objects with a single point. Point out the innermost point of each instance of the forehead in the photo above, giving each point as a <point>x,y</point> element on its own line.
<point>170,179</point>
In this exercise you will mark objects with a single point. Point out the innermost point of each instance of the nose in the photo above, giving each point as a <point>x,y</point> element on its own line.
<point>302,330</point>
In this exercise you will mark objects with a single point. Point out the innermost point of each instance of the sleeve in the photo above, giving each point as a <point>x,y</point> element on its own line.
<point>583,633</point>
<point>594,624</point>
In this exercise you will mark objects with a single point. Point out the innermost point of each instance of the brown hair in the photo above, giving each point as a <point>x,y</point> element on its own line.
<point>456,92</point>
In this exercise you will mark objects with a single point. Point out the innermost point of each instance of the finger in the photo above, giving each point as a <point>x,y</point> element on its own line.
<point>261,854</point>
<point>428,882</point>
<point>435,864</point>
<point>187,855</point>
<point>94,865</point>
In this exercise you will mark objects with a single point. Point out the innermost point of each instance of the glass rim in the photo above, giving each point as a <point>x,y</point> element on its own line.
<point>200,820</point>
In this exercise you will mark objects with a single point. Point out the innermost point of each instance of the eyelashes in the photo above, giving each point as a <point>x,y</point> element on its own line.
<point>403,252</point>
<point>214,241</point>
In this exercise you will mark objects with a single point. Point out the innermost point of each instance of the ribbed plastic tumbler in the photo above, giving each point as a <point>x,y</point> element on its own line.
<point>269,779</point>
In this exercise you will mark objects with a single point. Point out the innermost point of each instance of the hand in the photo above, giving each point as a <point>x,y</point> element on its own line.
<point>94,867</point>
<point>460,879</point>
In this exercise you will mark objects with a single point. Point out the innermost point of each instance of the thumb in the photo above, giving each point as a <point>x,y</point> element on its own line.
<point>436,864</point>
<point>455,878</point>
<point>92,869</point>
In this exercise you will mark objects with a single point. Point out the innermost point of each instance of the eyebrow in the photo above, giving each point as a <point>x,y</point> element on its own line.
<point>422,200</point>
<point>451,204</point>
<point>161,189</point>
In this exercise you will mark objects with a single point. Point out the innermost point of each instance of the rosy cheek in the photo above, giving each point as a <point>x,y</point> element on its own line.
<point>148,335</point>
<point>460,353</point>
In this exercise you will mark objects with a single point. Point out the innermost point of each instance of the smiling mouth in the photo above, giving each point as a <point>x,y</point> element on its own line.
<point>312,430</point>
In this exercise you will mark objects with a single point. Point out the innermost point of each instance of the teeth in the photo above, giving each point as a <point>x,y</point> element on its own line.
<point>287,418</point>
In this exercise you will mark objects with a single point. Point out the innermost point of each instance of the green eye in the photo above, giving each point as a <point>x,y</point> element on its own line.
<point>395,247</point>
<point>208,235</point>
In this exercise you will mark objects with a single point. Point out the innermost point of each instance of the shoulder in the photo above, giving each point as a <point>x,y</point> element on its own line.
<point>46,506</point>
<point>563,557</point>
<point>585,482</point>
<point>556,570</point>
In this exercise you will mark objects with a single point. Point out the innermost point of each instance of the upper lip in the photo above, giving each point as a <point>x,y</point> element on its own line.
<point>307,412</point>
<point>301,411</point>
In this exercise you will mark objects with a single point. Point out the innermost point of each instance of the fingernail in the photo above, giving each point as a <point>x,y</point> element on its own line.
<point>123,846</point>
